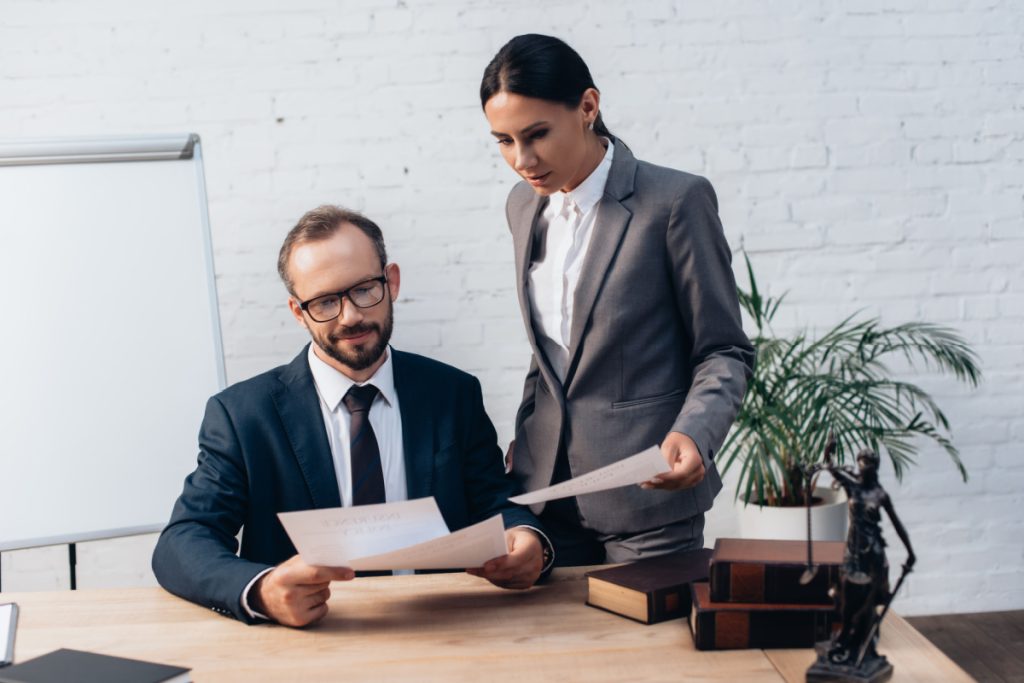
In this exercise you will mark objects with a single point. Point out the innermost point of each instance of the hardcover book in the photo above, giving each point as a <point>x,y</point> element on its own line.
<point>75,666</point>
<point>739,625</point>
<point>757,570</point>
<point>649,590</point>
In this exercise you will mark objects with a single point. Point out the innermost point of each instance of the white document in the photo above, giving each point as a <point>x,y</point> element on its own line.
<point>469,547</point>
<point>633,470</point>
<point>335,537</point>
<point>407,535</point>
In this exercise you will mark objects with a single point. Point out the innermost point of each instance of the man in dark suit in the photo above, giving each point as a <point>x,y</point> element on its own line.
<point>350,421</point>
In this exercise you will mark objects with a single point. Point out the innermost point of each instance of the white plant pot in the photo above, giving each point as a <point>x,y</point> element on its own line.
<point>828,519</point>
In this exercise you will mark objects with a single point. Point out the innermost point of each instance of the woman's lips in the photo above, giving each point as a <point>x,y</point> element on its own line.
<point>538,180</point>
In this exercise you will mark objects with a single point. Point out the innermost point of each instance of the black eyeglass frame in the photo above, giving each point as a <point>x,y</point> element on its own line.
<point>344,294</point>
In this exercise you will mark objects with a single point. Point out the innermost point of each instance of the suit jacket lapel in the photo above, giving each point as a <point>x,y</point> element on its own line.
<point>612,220</point>
<point>524,215</point>
<point>299,407</point>
<point>417,427</point>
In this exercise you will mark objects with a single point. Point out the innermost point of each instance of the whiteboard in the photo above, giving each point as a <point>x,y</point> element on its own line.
<point>110,343</point>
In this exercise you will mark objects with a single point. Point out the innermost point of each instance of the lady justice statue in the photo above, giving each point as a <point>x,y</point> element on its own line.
<point>863,592</point>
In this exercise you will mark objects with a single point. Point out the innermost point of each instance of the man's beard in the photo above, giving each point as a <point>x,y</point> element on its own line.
<point>363,356</point>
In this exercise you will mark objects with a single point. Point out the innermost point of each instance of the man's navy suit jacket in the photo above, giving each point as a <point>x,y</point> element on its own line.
<point>263,449</point>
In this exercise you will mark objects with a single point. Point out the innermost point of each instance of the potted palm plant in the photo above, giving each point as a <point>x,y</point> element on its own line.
<point>805,388</point>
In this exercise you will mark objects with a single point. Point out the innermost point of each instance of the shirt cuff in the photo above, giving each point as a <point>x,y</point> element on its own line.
<point>549,549</point>
<point>245,596</point>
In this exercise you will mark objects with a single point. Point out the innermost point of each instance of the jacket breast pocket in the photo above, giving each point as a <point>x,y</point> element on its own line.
<point>671,397</point>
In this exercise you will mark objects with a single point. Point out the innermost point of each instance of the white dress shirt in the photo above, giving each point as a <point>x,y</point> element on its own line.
<point>569,219</point>
<point>386,420</point>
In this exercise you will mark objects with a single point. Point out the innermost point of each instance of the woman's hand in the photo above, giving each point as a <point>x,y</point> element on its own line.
<point>684,458</point>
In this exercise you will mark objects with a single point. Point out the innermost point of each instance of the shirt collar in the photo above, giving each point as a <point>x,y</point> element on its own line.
<point>333,385</point>
<point>589,192</point>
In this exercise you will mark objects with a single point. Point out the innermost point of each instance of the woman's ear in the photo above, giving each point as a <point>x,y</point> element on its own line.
<point>590,106</point>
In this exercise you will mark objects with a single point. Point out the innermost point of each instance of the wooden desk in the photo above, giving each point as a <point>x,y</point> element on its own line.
<point>441,627</point>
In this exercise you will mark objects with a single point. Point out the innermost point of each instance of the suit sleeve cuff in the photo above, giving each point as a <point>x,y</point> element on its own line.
<point>245,596</point>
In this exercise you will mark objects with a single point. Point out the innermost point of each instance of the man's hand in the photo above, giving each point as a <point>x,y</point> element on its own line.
<point>683,457</point>
<point>521,567</point>
<point>295,593</point>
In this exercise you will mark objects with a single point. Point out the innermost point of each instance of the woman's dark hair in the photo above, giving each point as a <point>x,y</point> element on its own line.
<point>533,65</point>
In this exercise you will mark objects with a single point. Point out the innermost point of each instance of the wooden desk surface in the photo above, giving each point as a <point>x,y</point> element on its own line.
<point>441,627</point>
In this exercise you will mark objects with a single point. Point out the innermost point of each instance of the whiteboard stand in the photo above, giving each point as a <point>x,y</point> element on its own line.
<point>114,218</point>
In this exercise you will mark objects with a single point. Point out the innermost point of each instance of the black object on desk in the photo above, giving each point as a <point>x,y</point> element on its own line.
<point>75,666</point>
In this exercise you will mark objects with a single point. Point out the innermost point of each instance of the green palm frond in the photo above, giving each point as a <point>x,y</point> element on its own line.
<point>804,389</point>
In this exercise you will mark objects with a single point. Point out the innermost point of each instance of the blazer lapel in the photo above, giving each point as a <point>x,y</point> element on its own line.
<point>612,221</point>
<point>297,403</point>
<point>524,235</point>
<point>417,427</point>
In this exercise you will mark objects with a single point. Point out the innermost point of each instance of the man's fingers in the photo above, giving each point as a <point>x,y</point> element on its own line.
<point>317,598</point>
<point>314,614</point>
<point>305,574</point>
<point>506,577</point>
<point>328,574</point>
<point>497,564</point>
<point>303,616</point>
<point>514,582</point>
<point>502,569</point>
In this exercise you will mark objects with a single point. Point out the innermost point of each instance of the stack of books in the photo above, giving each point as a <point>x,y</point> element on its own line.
<point>754,597</point>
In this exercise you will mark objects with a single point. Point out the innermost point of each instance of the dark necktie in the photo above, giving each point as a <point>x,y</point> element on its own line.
<point>367,473</point>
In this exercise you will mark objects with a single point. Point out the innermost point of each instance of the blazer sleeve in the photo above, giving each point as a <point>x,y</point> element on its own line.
<point>487,487</point>
<point>195,556</point>
<point>722,356</point>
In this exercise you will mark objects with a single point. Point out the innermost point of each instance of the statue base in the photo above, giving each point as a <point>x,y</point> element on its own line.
<point>874,669</point>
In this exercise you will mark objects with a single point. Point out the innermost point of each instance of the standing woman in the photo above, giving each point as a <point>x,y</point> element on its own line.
<point>629,300</point>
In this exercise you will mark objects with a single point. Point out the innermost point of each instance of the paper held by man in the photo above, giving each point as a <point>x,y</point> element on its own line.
<point>413,535</point>
<point>635,469</point>
<point>407,535</point>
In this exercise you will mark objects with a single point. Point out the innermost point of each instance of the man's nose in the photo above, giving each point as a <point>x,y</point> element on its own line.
<point>350,313</point>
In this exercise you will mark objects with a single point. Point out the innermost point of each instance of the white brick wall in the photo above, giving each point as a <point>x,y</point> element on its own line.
<point>869,155</point>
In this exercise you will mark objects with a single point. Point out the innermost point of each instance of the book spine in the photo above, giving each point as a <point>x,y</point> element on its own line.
<point>761,583</point>
<point>668,603</point>
<point>741,629</point>
<point>719,580</point>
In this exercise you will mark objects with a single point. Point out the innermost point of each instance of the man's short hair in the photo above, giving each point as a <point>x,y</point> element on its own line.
<point>320,224</point>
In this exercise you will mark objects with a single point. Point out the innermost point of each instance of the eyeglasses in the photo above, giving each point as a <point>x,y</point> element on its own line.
<point>327,307</point>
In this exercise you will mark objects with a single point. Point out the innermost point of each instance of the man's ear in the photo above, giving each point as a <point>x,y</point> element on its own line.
<point>293,306</point>
<point>394,275</point>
